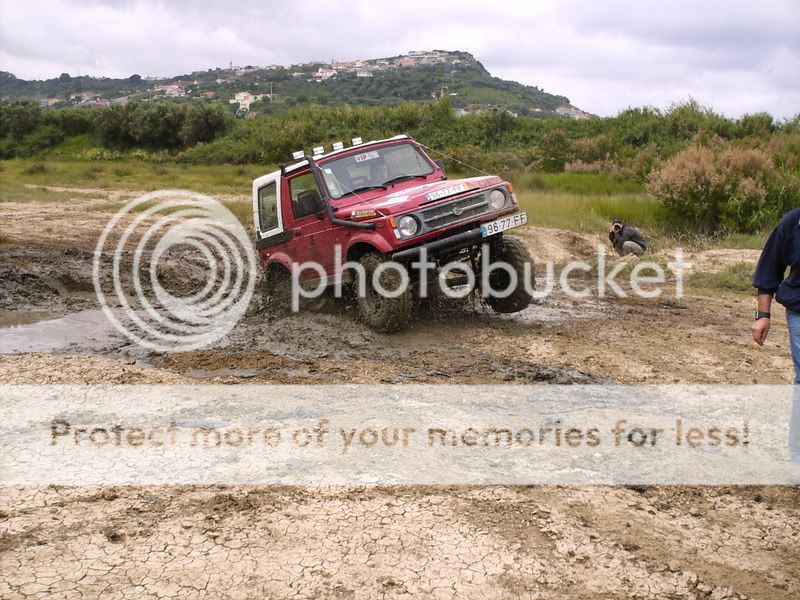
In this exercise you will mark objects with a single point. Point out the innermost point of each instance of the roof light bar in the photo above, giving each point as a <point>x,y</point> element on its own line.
<point>356,141</point>
<point>337,146</point>
<point>298,155</point>
<point>318,150</point>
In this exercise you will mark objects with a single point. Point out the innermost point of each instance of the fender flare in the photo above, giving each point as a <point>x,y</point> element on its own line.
<point>373,239</point>
<point>278,258</point>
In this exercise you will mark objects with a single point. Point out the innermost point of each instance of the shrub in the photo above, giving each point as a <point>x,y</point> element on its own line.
<point>554,150</point>
<point>594,149</point>
<point>721,186</point>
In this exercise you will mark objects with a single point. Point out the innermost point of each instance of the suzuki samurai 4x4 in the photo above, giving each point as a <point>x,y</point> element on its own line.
<point>384,202</point>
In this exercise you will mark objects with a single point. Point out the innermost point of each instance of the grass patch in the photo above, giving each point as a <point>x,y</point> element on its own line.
<point>590,213</point>
<point>577,183</point>
<point>35,168</point>
<point>129,175</point>
<point>749,241</point>
<point>243,211</point>
<point>738,277</point>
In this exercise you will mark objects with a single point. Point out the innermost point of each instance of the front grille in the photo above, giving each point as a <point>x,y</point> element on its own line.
<point>442,215</point>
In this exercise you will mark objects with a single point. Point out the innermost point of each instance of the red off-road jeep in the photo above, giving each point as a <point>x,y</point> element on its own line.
<point>331,218</point>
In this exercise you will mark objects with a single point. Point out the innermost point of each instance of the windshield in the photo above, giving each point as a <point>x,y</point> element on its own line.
<point>374,168</point>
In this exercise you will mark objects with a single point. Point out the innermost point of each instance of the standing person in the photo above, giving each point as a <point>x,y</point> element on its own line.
<point>626,239</point>
<point>782,250</point>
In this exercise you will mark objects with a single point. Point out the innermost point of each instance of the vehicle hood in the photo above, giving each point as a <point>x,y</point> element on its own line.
<point>405,199</point>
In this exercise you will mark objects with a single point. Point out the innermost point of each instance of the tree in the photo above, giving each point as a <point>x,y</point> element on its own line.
<point>202,123</point>
<point>554,149</point>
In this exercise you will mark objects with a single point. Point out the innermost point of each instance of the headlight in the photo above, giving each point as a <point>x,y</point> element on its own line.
<point>497,199</point>
<point>407,226</point>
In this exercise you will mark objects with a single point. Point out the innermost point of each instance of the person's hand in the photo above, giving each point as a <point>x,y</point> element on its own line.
<point>760,330</point>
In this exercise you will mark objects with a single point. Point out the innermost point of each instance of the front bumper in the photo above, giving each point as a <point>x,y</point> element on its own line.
<point>452,243</point>
<point>476,234</point>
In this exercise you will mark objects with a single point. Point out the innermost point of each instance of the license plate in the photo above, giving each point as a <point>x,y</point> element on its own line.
<point>504,224</point>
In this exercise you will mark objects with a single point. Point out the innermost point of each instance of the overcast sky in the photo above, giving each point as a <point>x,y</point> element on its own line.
<point>605,55</point>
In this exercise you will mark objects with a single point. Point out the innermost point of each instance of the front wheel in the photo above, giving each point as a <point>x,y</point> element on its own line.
<point>377,309</point>
<point>513,253</point>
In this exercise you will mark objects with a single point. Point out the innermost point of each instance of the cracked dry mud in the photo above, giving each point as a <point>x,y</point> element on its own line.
<point>394,542</point>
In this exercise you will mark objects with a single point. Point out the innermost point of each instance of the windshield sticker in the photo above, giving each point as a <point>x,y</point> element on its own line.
<point>367,156</point>
<point>455,189</point>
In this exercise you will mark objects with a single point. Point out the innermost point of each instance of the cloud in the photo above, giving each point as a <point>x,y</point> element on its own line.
<point>737,57</point>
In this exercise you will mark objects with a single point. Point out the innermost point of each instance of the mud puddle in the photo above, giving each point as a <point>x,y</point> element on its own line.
<point>37,331</point>
<point>14,318</point>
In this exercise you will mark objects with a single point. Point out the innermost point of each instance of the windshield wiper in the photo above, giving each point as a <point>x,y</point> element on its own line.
<point>365,188</point>
<point>400,178</point>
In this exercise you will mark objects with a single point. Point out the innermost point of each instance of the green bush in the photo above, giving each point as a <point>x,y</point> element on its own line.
<point>554,150</point>
<point>721,186</point>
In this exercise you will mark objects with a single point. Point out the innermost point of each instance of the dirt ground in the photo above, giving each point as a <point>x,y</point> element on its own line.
<point>395,542</point>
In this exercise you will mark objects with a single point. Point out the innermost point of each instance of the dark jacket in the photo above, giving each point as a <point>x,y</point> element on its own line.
<point>782,250</point>
<point>626,234</point>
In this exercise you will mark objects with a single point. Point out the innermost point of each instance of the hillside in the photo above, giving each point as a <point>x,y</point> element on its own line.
<point>416,76</point>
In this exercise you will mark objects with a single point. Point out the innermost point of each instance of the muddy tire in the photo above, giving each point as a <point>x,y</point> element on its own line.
<point>513,252</point>
<point>379,312</point>
<point>277,291</point>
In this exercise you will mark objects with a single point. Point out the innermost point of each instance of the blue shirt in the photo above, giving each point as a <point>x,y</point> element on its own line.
<point>781,250</point>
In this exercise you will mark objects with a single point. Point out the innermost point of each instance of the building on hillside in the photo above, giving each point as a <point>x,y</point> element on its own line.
<point>245,99</point>
<point>364,73</point>
<point>170,90</point>
<point>245,70</point>
<point>324,73</point>
<point>86,97</point>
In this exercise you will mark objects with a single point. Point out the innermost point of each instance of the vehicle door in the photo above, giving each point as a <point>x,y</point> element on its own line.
<point>271,234</point>
<point>309,225</point>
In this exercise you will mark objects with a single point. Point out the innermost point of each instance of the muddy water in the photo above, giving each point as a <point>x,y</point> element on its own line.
<point>13,318</point>
<point>37,331</point>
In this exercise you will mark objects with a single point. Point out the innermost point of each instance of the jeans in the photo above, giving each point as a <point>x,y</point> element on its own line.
<point>629,248</point>
<point>793,320</point>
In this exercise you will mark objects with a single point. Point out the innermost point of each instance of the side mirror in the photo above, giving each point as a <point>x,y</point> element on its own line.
<point>310,202</point>
<point>440,163</point>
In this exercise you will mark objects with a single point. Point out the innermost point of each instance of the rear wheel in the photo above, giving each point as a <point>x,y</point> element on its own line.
<point>514,253</point>
<point>375,308</point>
<point>277,291</point>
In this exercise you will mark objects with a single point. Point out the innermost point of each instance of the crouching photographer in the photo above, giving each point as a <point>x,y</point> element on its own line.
<point>626,239</point>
